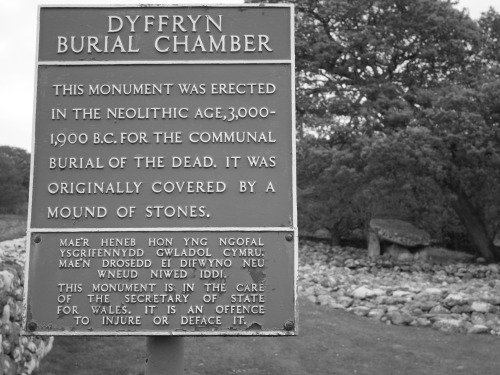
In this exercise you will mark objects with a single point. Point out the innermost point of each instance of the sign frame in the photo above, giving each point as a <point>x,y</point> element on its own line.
<point>34,233</point>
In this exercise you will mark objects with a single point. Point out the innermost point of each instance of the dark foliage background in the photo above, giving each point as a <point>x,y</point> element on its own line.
<point>14,179</point>
<point>398,116</point>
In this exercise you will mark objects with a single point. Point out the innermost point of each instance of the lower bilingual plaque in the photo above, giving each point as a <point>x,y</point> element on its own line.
<point>149,283</point>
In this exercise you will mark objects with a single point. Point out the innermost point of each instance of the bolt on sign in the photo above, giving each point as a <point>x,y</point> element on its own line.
<point>163,172</point>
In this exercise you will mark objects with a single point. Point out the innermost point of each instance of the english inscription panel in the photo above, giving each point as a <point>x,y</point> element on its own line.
<point>163,146</point>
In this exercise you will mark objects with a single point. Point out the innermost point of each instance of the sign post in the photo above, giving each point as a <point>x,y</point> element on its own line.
<point>165,355</point>
<point>163,173</point>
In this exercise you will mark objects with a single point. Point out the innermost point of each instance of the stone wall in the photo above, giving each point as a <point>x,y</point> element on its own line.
<point>460,297</point>
<point>18,354</point>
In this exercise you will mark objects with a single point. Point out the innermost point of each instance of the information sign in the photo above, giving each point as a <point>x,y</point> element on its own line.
<point>163,174</point>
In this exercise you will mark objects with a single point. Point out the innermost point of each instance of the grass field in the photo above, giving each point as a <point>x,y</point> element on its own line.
<point>330,342</point>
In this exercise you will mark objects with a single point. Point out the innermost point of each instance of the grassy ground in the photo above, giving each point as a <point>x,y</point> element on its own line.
<point>12,226</point>
<point>330,342</point>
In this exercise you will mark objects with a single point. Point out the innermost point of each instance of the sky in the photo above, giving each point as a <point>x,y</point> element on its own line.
<point>18,29</point>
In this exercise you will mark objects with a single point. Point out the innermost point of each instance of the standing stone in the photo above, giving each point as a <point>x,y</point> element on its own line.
<point>496,239</point>
<point>373,245</point>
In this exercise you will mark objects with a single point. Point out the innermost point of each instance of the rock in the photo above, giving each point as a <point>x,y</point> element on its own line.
<point>492,320</point>
<point>417,312</point>
<point>7,346</point>
<point>423,322</point>
<point>6,314</point>
<point>481,307</point>
<point>461,309</point>
<point>399,253</point>
<point>438,309</point>
<point>455,299</point>
<point>378,292</point>
<point>478,328</point>
<point>478,318</point>
<point>391,309</point>
<point>427,306</point>
<point>400,293</point>
<point>421,255</point>
<point>450,325</point>
<point>350,263</point>
<point>494,268</point>
<point>31,347</point>
<point>361,310</point>
<point>327,282</point>
<point>17,354</point>
<point>376,313</point>
<point>433,291</point>
<point>390,301</point>
<point>362,292</point>
<point>496,239</point>
<point>493,300</point>
<point>399,232</point>
<point>335,305</point>
<point>416,267</point>
<point>344,301</point>
<point>6,280</point>
<point>9,366</point>
<point>400,318</point>
<point>324,299</point>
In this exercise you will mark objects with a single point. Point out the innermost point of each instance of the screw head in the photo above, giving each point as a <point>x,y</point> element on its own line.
<point>289,237</point>
<point>289,325</point>
<point>32,326</point>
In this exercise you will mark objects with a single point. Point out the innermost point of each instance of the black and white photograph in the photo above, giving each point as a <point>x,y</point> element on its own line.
<point>250,187</point>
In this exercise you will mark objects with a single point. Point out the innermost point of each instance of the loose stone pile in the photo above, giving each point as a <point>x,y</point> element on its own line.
<point>461,297</point>
<point>18,354</point>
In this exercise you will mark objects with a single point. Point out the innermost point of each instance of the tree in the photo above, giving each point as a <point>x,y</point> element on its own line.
<point>14,176</point>
<point>327,182</point>
<point>410,88</point>
<point>368,60</point>
<point>21,160</point>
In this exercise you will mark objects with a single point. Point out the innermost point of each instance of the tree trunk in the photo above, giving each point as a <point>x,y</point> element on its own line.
<point>475,226</point>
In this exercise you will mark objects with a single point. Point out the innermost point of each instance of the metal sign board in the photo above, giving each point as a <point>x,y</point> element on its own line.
<point>163,123</point>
